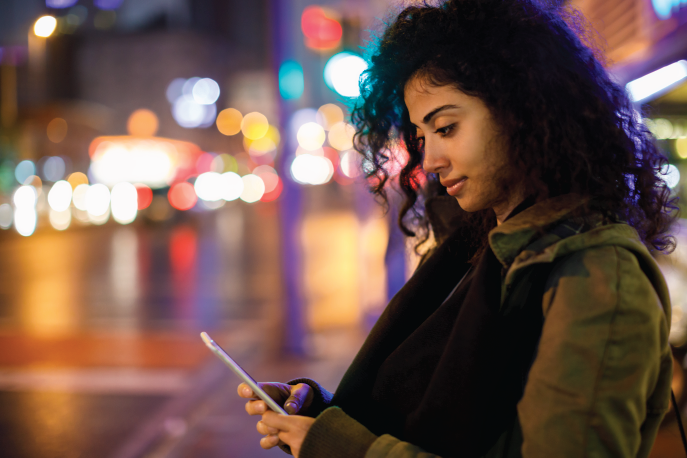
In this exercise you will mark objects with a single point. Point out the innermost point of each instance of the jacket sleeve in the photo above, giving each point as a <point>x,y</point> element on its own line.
<point>598,360</point>
<point>321,399</point>
<point>336,435</point>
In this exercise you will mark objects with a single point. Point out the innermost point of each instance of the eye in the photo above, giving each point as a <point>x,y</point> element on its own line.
<point>444,131</point>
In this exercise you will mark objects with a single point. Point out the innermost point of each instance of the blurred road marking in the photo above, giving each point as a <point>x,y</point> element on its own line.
<point>101,381</point>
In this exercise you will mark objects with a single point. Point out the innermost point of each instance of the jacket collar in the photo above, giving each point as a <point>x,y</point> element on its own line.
<point>516,233</point>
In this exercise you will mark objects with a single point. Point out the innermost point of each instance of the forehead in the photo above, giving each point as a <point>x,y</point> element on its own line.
<point>421,97</point>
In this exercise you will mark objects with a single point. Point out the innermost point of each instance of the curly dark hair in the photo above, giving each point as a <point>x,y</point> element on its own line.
<point>568,126</point>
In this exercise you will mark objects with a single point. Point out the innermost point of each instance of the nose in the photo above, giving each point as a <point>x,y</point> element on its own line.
<point>433,161</point>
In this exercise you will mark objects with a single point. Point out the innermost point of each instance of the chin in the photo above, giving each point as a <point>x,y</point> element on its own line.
<point>469,205</point>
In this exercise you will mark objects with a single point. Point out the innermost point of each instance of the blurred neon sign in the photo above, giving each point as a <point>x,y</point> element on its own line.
<point>664,8</point>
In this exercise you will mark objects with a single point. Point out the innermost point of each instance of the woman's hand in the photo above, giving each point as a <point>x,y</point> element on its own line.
<point>294,398</point>
<point>287,429</point>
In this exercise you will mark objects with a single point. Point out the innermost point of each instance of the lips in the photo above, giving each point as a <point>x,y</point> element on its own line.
<point>454,186</point>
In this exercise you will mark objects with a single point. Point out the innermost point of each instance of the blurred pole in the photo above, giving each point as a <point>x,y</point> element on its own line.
<point>290,205</point>
<point>37,76</point>
<point>8,93</point>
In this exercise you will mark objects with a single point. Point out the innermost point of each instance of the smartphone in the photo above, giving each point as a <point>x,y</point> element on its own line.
<point>221,354</point>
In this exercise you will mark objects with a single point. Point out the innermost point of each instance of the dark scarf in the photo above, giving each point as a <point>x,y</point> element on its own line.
<point>445,375</point>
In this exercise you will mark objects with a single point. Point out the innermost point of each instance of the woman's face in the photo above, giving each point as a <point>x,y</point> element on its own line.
<point>462,146</point>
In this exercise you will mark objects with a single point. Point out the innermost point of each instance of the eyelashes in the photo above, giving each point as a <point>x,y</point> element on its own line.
<point>444,131</point>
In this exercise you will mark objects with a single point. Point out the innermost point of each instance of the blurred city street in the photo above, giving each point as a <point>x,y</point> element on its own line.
<point>103,326</point>
<point>175,166</point>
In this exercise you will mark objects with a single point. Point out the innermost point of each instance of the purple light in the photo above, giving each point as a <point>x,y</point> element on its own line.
<point>60,3</point>
<point>108,4</point>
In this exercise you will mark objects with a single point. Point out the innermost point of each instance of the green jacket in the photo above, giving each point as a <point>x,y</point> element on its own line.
<point>600,383</point>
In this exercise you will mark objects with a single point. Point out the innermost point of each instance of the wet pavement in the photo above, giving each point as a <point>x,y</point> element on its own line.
<point>100,354</point>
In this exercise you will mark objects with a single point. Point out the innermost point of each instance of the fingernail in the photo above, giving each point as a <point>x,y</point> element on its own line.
<point>246,391</point>
<point>292,405</point>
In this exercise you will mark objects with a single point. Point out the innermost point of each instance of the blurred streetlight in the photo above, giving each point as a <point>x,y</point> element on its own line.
<point>45,26</point>
<point>42,29</point>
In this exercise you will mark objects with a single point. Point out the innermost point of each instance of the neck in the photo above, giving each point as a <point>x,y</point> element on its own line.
<point>504,210</point>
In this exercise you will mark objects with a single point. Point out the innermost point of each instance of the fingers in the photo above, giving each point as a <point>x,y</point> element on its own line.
<point>245,391</point>
<point>281,422</point>
<point>256,407</point>
<point>270,441</point>
<point>266,430</point>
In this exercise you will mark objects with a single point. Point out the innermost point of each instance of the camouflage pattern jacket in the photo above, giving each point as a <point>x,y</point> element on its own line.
<point>600,383</point>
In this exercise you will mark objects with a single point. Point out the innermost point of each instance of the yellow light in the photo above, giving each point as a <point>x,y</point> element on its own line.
<point>45,26</point>
<point>328,115</point>
<point>681,147</point>
<point>142,123</point>
<point>341,136</point>
<point>57,130</point>
<point>261,146</point>
<point>254,125</point>
<point>77,178</point>
<point>229,121</point>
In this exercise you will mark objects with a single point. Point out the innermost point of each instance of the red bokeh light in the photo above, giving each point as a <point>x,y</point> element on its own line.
<point>145,196</point>
<point>276,192</point>
<point>204,162</point>
<point>332,155</point>
<point>182,196</point>
<point>320,28</point>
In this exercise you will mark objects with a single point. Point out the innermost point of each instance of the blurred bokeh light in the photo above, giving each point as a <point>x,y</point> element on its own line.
<point>342,73</point>
<point>60,196</point>
<point>321,28</point>
<point>142,123</point>
<point>229,121</point>
<point>329,115</point>
<point>253,188</point>
<point>311,136</point>
<point>124,202</point>
<point>341,136</point>
<point>182,196</point>
<point>57,130</point>
<point>44,27</point>
<point>54,168</point>
<point>291,80</point>
<point>254,125</point>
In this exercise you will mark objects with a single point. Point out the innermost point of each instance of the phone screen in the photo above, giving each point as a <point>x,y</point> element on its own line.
<point>221,354</point>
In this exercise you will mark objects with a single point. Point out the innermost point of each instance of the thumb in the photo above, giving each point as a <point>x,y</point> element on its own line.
<point>295,402</point>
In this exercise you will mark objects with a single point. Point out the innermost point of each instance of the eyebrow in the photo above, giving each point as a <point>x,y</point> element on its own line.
<point>432,113</point>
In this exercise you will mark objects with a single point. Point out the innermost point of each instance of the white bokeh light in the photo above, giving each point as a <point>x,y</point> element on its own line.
<point>671,175</point>
<point>188,113</point>
<point>60,196</point>
<point>232,186</point>
<point>209,186</point>
<point>342,73</point>
<point>5,216</point>
<point>60,220</point>
<point>25,198</point>
<point>79,196</point>
<point>205,91</point>
<point>124,202</point>
<point>25,220</point>
<point>309,169</point>
<point>253,188</point>
<point>311,136</point>
<point>98,200</point>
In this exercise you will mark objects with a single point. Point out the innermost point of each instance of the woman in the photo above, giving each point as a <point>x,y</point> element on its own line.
<point>537,325</point>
